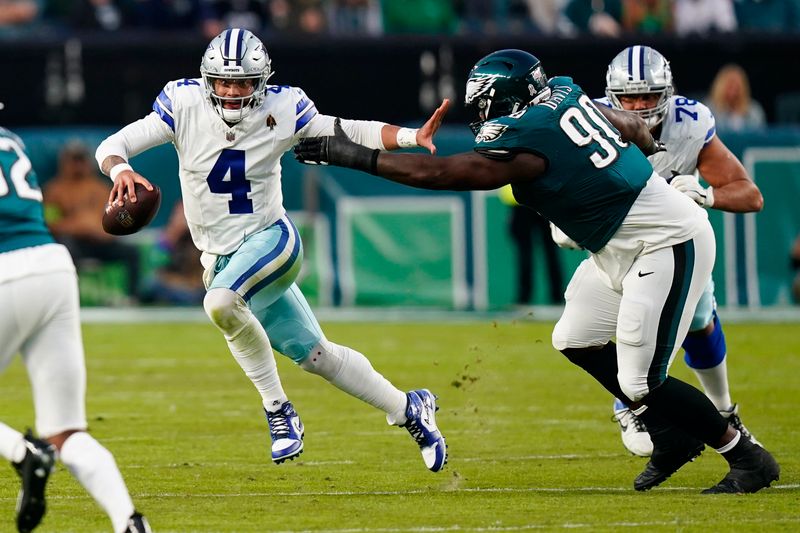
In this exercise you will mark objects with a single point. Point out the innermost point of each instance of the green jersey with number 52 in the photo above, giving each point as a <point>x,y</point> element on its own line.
<point>21,215</point>
<point>592,177</point>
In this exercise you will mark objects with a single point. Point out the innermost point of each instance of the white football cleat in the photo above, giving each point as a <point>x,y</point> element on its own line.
<point>635,437</point>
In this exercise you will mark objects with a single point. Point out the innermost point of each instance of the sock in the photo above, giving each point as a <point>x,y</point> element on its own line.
<point>12,444</point>
<point>619,405</point>
<point>705,354</point>
<point>731,445</point>
<point>686,407</point>
<point>715,384</point>
<point>600,363</point>
<point>351,372</point>
<point>251,348</point>
<point>94,468</point>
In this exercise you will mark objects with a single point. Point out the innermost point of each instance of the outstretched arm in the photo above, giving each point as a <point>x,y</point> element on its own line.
<point>396,137</point>
<point>467,171</point>
<point>633,129</point>
<point>461,172</point>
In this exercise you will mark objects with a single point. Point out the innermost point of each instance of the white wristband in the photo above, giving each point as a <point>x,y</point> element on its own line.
<point>407,138</point>
<point>709,197</point>
<point>116,169</point>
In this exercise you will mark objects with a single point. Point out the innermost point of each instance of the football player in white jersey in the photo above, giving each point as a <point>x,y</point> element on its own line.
<point>230,129</point>
<point>639,80</point>
<point>39,319</point>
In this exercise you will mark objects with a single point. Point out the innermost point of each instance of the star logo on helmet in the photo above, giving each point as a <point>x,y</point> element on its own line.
<point>479,84</point>
<point>490,131</point>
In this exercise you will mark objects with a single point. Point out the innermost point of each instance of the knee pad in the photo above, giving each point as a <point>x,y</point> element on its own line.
<point>325,359</point>
<point>227,310</point>
<point>705,351</point>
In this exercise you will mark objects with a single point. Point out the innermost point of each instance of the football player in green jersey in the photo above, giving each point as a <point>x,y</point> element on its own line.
<point>39,319</point>
<point>651,246</point>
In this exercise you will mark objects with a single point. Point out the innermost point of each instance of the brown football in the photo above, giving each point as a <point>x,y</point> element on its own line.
<point>130,217</point>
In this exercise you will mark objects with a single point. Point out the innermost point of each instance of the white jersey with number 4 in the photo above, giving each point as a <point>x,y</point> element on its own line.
<point>230,175</point>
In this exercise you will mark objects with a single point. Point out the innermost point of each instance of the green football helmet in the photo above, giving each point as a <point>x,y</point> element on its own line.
<point>502,83</point>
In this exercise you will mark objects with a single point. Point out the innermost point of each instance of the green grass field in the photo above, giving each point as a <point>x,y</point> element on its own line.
<point>531,443</point>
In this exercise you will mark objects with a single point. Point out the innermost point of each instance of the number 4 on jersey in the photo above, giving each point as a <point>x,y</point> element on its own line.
<point>231,162</point>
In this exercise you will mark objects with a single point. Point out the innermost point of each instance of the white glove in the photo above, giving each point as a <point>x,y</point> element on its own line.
<point>689,185</point>
<point>561,239</point>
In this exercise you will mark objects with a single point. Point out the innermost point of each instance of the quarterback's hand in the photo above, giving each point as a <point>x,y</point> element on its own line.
<point>125,184</point>
<point>428,130</point>
<point>337,150</point>
<point>689,185</point>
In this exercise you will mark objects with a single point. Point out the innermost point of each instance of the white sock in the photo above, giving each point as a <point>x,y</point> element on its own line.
<point>351,372</point>
<point>94,468</point>
<point>251,348</point>
<point>715,384</point>
<point>12,444</point>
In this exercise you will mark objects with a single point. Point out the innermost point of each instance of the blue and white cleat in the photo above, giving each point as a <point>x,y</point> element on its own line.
<point>421,424</point>
<point>286,432</point>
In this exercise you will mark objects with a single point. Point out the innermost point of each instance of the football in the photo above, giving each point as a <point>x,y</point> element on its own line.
<point>130,217</point>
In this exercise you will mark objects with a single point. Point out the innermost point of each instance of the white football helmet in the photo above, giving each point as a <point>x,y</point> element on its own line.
<point>640,70</point>
<point>236,54</point>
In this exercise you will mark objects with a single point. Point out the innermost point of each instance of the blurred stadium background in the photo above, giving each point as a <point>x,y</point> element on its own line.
<point>82,69</point>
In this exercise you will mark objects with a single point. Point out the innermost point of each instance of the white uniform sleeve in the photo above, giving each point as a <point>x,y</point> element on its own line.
<point>135,138</point>
<point>310,123</point>
<point>364,132</point>
<point>708,124</point>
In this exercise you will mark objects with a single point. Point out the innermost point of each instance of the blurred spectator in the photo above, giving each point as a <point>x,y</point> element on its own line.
<point>253,15</point>
<point>19,16</point>
<point>768,15</point>
<point>167,14</point>
<point>704,16</point>
<point>494,17</point>
<point>179,281</point>
<point>106,15</point>
<point>419,16</point>
<point>598,17</point>
<point>297,16</point>
<point>647,16</point>
<point>731,103</point>
<point>548,16</point>
<point>309,17</point>
<point>524,226</point>
<point>74,200</point>
<point>355,17</point>
<point>795,258</point>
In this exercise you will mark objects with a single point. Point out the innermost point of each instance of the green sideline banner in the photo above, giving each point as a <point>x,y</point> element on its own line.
<point>369,242</point>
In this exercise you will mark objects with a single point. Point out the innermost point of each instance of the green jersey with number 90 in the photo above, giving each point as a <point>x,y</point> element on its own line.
<point>593,176</point>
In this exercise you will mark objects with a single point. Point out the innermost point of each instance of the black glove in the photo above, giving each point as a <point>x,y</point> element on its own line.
<point>337,150</point>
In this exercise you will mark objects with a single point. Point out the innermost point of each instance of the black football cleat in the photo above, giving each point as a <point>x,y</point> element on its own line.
<point>754,470</point>
<point>668,457</point>
<point>138,524</point>
<point>34,470</point>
